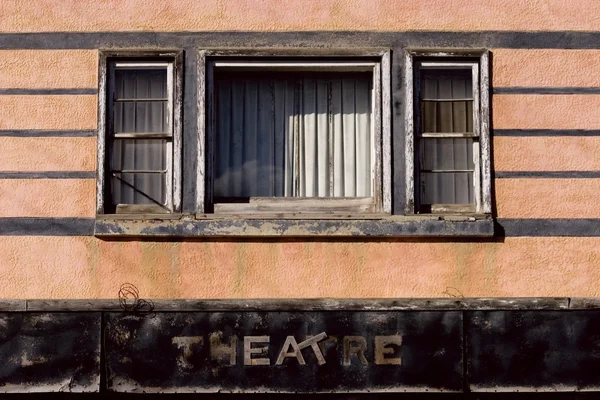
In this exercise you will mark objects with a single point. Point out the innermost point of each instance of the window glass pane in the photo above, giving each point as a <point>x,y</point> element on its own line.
<point>138,154</point>
<point>138,188</point>
<point>447,154</point>
<point>447,116</point>
<point>140,116</point>
<point>140,83</point>
<point>438,112</point>
<point>447,188</point>
<point>446,83</point>
<point>132,111</point>
<point>294,135</point>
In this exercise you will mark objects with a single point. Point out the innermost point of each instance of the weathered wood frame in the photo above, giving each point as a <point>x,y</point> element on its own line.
<point>478,60</point>
<point>107,58</point>
<point>377,61</point>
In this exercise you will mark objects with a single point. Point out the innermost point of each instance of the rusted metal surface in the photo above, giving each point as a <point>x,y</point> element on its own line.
<point>336,351</point>
<point>49,352</point>
<point>533,351</point>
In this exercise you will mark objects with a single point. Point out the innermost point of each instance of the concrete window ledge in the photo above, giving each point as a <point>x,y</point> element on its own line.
<point>384,227</point>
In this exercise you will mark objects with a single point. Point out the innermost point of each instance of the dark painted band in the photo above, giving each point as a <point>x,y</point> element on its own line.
<point>504,227</point>
<point>48,91</point>
<point>547,174</point>
<point>546,90</point>
<point>326,39</point>
<point>49,175</point>
<point>24,226</point>
<point>570,227</point>
<point>546,132</point>
<point>46,133</point>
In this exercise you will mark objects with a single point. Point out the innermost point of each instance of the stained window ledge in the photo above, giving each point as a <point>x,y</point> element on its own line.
<point>448,226</point>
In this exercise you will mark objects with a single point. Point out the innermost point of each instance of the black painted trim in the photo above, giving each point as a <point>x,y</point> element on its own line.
<point>546,132</point>
<point>327,39</point>
<point>49,175</point>
<point>546,90</point>
<point>547,174</point>
<point>46,133</point>
<point>25,226</point>
<point>332,304</point>
<point>510,227</point>
<point>48,91</point>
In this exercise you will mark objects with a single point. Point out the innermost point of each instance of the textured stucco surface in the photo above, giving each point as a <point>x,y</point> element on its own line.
<point>548,198</point>
<point>47,198</point>
<point>47,154</point>
<point>534,111</point>
<point>579,153</point>
<point>85,267</point>
<point>273,15</point>
<point>561,68</point>
<point>48,69</point>
<point>48,112</point>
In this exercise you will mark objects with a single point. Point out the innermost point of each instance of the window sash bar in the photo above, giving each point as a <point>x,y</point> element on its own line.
<point>448,135</point>
<point>142,65</point>
<point>140,171</point>
<point>131,100</point>
<point>142,135</point>
<point>447,100</point>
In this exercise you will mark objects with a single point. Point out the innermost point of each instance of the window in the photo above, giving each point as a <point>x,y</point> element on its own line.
<point>140,135</point>
<point>295,135</point>
<point>447,134</point>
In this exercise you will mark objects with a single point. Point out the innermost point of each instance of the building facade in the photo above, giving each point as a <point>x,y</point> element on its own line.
<point>270,169</point>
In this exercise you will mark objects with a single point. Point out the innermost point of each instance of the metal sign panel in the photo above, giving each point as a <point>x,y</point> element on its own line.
<point>533,351</point>
<point>49,352</point>
<point>330,351</point>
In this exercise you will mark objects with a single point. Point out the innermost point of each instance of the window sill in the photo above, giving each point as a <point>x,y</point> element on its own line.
<point>294,226</point>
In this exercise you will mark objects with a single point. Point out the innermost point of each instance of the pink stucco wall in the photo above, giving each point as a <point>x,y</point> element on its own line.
<point>304,15</point>
<point>87,267</point>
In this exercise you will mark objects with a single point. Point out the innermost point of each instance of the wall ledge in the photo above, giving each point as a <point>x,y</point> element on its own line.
<point>454,226</point>
<point>323,304</point>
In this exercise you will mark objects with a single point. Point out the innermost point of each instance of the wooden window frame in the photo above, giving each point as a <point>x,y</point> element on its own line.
<point>478,62</point>
<point>109,61</point>
<point>377,61</point>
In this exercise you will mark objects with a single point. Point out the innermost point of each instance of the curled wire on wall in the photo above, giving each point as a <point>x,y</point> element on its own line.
<point>129,299</point>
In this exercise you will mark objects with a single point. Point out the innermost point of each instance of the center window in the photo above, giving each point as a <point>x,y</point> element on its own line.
<point>295,137</point>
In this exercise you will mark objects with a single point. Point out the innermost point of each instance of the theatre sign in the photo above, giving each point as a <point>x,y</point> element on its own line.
<point>326,351</point>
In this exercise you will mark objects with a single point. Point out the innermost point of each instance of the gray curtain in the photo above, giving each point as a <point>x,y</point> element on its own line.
<point>139,107</point>
<point>286,136</point>
<point>446,163</point>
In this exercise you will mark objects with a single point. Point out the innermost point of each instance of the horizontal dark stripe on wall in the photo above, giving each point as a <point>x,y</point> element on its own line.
<point>487,39</point>
<point>47,91</point>
<point>547,90</point>
<point>547,174</point>
<point>46,226</point>
<point>46,133</point>
<point>589,227</point>
<point>48,175</point>
<point>546,132</point>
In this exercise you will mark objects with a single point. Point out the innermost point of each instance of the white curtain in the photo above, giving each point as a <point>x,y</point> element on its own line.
<point>447,163</point>
<point>139,107</point>
<point>278,136</point>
